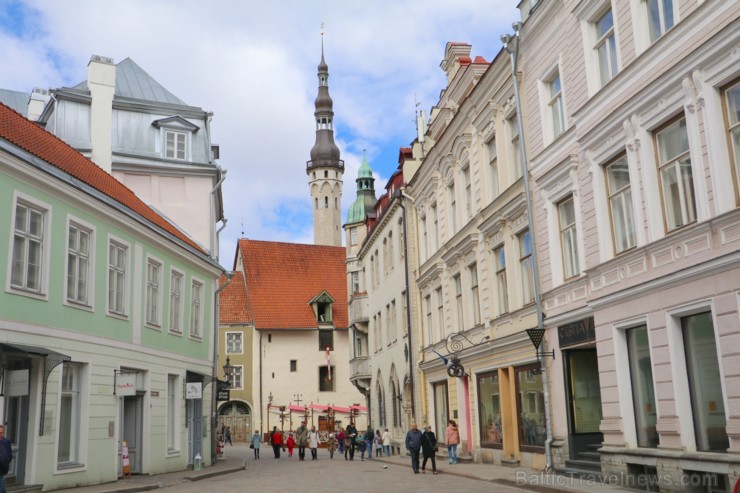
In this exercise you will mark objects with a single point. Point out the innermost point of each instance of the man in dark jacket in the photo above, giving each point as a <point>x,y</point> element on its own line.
<point>413,445</point>
<point>350,434</point>
<point>369,436</point>
<point>6,455</point>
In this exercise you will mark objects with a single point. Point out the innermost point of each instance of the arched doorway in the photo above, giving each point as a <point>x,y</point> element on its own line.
<point>238,416</point>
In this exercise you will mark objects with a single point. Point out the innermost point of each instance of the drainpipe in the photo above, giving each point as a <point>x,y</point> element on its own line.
<point>214,233</point>
<point>401,195</point>
<point>514,57</point>
<point>214,388</point>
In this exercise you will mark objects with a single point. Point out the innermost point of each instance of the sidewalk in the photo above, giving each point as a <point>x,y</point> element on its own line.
<point>232,461</point>
<point>517,477</point>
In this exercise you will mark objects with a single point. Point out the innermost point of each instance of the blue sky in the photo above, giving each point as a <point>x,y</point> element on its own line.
<point>254,65</point>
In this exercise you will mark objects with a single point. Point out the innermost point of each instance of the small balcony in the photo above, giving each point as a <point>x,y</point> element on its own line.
<point>358,310</point>
<point>359,369</point>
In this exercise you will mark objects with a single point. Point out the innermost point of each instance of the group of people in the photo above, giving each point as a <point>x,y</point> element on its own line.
<point>426,443</point>
<point>365,442</point>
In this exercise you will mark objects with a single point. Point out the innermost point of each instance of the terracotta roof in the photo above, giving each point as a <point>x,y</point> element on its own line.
<point>282,278</point>
<point>28,136</point>
<point>480,59</point>
<point>232,302</point>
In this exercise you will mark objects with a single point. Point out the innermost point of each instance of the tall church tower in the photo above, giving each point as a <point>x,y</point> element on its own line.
<point>325,168</point>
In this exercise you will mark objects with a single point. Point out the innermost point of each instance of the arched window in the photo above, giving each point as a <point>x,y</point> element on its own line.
<point>326,202</point>
<point>396,406</point>
<point>381,405</point>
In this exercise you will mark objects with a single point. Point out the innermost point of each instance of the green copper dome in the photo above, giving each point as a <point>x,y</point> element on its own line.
<point>365,194</point>
<point>364,171</point>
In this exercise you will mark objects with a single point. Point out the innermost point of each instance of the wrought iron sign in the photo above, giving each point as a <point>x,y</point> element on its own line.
<point>455,344</point>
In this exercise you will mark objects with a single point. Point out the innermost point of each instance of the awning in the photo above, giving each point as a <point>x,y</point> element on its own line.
<point>319,407</point>
<point>339,409</point>
<point>297,409</point>
<point>361,409</point>
<point>35,350</point>
<point>194,376</point>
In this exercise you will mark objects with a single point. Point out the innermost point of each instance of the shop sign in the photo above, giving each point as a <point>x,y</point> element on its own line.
<point>16,383</point>
<point>193,390</point>
<point>577,332</point>
<point>125,384</point>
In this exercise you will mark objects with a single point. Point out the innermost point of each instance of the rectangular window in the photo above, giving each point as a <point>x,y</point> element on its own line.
<point>401,240</point>
<point>428,306</point>
<point>493,167</point>
<point>705,383</point>
<point>379,332</point>
<point>606,47</point>
<point>516,160</point>
<point>677,183</point>
<point>660,17</point>
<point>176,302</point>
<point>234,343</point>
<point>237,377</point>
<point>69,415</point>
<point>732,105</point>
<point>555,105</point>
<point>435,230</point>
<point>327,379</point>
<point>293,365</point>
<point>78,264</point>
<point>459,303</point>
<point>353,236</point>
<point>28,242</point>
<point>393,321</point>
<point>117,267</point>
<point>326,339</point>
<point>196,301</point>
<point>153,270</point>
<point>441,409</point>
<point>489,410</point>
<point>440,316</point>
<point>475,299</point>
<point>171,412</point>
<point>468,193</point>
<point>355,282</point>
<point>643,391</point>
<point>531,407</point>
<point>620,204</point>
<point>568,240</point>
<point>526,267</point>
<point>404,308</point>
<point>503,293</point>
<point>175,144</point>
<point>453,208</point>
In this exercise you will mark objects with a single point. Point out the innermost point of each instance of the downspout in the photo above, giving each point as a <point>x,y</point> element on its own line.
<point>212,207</point>
<point>261,415</point>
<point>514,57</point>
<point>214,388</point>
<point>401,195</point>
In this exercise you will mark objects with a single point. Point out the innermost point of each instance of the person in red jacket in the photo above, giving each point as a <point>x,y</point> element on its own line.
<point>277,441</point>
<point>290,442</point>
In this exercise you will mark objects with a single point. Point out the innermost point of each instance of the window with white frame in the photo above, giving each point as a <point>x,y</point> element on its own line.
<point>434,242</point>
<point>428,310</point>
<point>236,377</point>
<point>568,239</point>
<point>78,263</point>
<point>555,104</point>
<point>196,302</point>
<point>353,236</point>
<point>172,406</point>
<point>424,244</point>
<point>153,281</point>
<point>459,302</point>
<point>516,155</point>
<point>355,275</point>
<point>643,391</point>
<point>501,288</point>
<point>452,201</point>
<point>732,106</point>
<point>468,194</point>
<point>234,343</point>
<point>175,145</point>
<point>526,265</point>
<point>676,179</point>
<point>440,315</point>
<point>176,301</point>
<point>117,272</point>
<point>606,46</point>
<point>70,417</point>
<point>620,204</point>
<point>474,296</point>
<point>660,16</point>
<point>390,251</point>
<point>28,247</point>
<point>493,167</point>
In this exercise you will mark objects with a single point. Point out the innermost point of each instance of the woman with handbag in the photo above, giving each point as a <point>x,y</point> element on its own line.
<point>428,449</point>
<point>256,444</point>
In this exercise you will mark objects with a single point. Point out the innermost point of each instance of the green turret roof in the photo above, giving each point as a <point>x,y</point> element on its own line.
<point>365,194</point>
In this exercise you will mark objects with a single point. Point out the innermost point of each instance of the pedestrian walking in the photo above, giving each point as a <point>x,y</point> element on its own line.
<point>313,443</point>
<point>413,445</point>
<point>378,444</point>
<point>227,436</point>
<point>362,445</point>
<point>6,456</point>
<point>290,443</point>
<point>369,438</point>
<point>276,439</point>
<point>302,440</point>
<point>452,439</point>
<point>429,449</point>
<point>387,443</point>
<point>340,440</point>
<point>332,445</point>
<point>349,441</point>
<point>256,444</point>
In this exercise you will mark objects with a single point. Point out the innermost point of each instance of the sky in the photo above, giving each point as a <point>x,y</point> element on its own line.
<point>253,64</point>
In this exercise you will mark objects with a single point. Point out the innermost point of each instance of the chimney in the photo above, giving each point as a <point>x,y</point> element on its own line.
<point>37,103</point>
<point>101,80</point>
<point>453,53</point>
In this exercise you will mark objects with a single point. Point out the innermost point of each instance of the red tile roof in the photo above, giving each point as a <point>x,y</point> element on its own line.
<point>232,304</point>
<point>480,59</point>
<point>282,278</point>
<point>28,136</point>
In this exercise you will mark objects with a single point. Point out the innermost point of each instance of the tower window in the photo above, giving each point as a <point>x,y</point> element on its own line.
<point>326,174</point>
<point>336,203</point>
<point>336,175</point>
<point>317,203</point>
<point>326,202</point>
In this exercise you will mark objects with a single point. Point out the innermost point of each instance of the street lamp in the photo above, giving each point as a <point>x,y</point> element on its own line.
<point>228,369</point>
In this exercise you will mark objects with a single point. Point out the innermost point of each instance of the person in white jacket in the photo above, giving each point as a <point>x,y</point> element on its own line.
<point>386,443</point>
<point>313,443</point>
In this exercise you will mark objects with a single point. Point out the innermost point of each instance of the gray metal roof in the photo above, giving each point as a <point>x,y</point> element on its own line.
<point>16,100</point>
<point>133,82</point>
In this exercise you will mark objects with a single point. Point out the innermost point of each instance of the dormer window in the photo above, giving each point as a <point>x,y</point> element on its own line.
<point>175,145</point>
<point>177,137</point>
<point>322,308</point>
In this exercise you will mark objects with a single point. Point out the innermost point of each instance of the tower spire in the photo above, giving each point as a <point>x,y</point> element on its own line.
<point>325,168</point>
